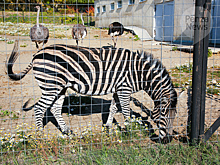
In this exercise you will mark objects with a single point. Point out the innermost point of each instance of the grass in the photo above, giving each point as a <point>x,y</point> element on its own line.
<point>57,151</point>
<point>136,38</point>
<point>10,42</point>
<point>24,45</point>
<point>96,145</point>
<point>23,29</point>
<point>96,36</point>
<point>174,48</point>
<point>46,17</point>
<point>209,53</point>
<point>7,113</point>
<point>182,77</point>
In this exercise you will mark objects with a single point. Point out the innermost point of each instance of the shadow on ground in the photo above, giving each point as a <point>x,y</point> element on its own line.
<point>85,105</point>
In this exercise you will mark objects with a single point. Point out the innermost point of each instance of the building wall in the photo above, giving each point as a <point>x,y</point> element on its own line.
<point>142,15</point>
<point>184,11</point>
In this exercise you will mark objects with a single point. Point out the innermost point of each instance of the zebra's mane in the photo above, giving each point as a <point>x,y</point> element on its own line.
<point>146,55</point>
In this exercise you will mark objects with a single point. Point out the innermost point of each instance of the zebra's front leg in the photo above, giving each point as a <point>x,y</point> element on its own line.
<point>113,109</point>
<point>56,111</point>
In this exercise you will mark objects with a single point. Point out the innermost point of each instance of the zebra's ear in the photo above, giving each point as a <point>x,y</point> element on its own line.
<point>138,52</point>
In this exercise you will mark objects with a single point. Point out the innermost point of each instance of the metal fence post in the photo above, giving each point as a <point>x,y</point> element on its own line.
<point>200,55</point>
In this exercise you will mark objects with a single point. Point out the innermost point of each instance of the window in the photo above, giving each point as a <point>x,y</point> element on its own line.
<point>131,2</point>
<point>112,6</point>
<point>119,4</point>
<point>103,8</point>
<point>98,9</point>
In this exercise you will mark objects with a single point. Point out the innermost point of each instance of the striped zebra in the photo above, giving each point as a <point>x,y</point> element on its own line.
<point>99,71</point>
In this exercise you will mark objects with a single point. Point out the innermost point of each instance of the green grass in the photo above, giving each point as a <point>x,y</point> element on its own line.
<point>46,17</point>
<point>135,154</point>
<point>10,42</point>
<point>174,48</point>
<point>182,77</point>
<point>209,53</point>
<point>7,113</point>
<point>24,45</point>
<point>95,145</point>
<point>136,38</point>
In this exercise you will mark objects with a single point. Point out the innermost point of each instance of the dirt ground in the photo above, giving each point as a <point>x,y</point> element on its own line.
<point>13,94</point>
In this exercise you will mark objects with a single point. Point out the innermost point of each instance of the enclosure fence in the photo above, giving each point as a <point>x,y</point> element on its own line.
<point>158,70</point>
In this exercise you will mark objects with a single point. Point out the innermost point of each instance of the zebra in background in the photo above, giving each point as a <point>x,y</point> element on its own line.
<point>99,71</point>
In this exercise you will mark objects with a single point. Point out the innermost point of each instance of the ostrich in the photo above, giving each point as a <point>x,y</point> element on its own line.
<point>117,29</point>
<point>38,32</point>
<point>79,31</point>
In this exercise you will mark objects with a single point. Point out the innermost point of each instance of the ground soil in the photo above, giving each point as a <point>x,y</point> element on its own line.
<point>13,94</point>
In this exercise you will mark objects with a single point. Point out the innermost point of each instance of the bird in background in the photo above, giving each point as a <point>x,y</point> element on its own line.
<point>117,29</point>
<point>79,31</point>
<point>38,32</point>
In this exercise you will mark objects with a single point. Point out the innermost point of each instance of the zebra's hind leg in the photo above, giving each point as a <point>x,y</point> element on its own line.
<point>124,95</point>
<point>41,106</point>
<point>56,111</point>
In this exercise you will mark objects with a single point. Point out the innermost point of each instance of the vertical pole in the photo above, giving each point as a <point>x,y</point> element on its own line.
<point>200,55</point>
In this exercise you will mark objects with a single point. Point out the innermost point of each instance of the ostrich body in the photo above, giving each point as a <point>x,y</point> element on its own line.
<point>79,31</point>
<point>117,29</point>
<point>38,32</point>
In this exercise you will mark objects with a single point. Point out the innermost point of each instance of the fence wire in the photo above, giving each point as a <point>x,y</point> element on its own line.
<point>163,29</point>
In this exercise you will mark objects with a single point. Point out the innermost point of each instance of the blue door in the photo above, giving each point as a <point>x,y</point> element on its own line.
<point>215,32</point>
<point>164,21</point>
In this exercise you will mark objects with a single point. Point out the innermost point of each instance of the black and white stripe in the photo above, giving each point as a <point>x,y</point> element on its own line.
<point>99,71</point>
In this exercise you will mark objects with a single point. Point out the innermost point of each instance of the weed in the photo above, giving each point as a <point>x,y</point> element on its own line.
<point>3,39</point>
<point>4,113</point>
<point>10,42</point>
<point>136,38</point>
<point>174,48</point>
<point>209,53</point>
<point>187,68</point>
<point>214,91</point>
<point>176,84</point>
<point>24,45</point>
<point>94,147</point>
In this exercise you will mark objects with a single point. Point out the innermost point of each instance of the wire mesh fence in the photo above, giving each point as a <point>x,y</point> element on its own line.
<point>164,29</point>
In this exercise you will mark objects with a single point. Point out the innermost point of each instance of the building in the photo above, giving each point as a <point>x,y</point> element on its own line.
<point>164,20</point>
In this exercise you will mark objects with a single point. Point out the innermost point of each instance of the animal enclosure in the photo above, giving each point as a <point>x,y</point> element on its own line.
<point>156,71</point>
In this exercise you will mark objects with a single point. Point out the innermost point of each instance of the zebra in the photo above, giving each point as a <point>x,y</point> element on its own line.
<point>99,71</point>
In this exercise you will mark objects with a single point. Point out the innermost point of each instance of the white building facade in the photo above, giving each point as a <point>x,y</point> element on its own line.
<point>164,20</point>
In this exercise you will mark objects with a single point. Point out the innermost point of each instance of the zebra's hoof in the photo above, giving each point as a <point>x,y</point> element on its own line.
<point>166,139</point>
<point>67,132</point>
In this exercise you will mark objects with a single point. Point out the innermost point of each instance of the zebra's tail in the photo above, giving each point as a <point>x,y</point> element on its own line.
<point>25,108</point>
<point>130,31</point>
<point>11,61</point>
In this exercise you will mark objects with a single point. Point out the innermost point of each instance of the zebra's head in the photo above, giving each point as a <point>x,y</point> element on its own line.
<point>165,110</point>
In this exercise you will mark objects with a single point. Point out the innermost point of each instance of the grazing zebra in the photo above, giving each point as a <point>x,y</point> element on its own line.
<point>99,71</point>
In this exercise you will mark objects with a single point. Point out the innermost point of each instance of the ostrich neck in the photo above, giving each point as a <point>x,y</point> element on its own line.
<point>38,12</point>
<point>82,19</point>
